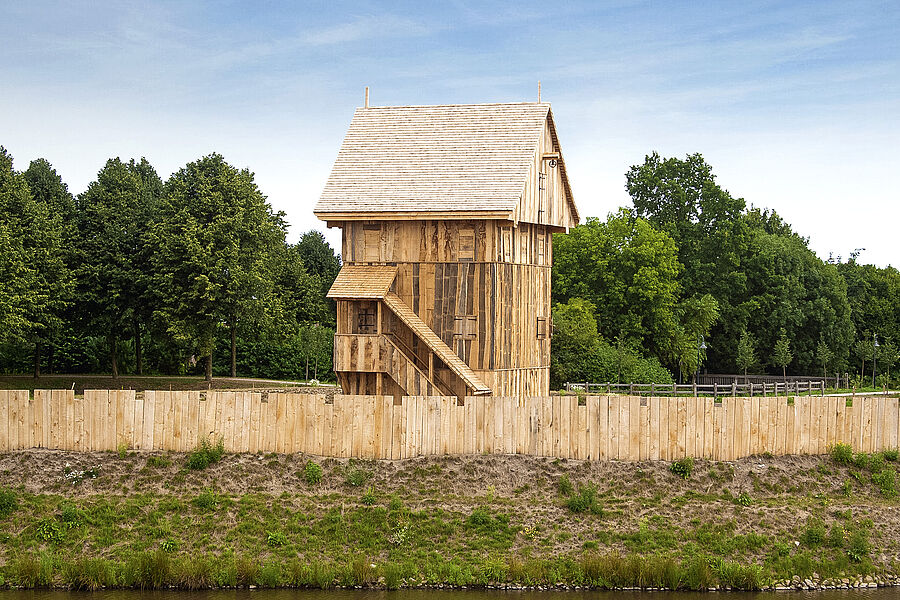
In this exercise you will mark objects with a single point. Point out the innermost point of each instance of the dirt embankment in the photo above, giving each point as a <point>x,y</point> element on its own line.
<point>775,497</point>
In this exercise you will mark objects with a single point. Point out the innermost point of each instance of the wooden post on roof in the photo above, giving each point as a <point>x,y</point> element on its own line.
<point>539,92</point>
<point>367,96</point>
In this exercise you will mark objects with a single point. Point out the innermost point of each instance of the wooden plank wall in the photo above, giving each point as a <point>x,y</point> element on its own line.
<point>602,428</point>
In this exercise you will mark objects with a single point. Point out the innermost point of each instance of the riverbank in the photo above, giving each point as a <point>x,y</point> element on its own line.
<point>89,520</point>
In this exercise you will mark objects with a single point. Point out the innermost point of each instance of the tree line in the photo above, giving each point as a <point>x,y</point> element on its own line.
<point>194,275</point>
<point>690,276</point>
<point>136,274</point>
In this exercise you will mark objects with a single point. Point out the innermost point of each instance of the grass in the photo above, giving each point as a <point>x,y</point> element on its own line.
<point>414,523</point>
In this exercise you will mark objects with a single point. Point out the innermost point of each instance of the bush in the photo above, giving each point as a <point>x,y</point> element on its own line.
<point>565,486</point>
<point>859,546</point>
<point>158,462</point>
<point>8,502</point>
<point>207,500</point>
<point>585,501</point>
<point>312,473</point>
<point>356,477</point>
<point>206,454</point>
<point>369,498</point>
<point>814,535</point>
<point>744,499</point>
<point>683,468</point>
<point>891,454</point>
<point>481,518</point>
<point>276,539</point>
<point>842,454</point>
<point>886,480</point>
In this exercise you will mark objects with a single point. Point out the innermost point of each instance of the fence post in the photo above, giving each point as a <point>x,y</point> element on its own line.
<point>751,389</point>
<point>608,388</point>
<point>734,388</point>
<point>694,388</point>
<point>631,389</point>
<point>715,390</point>
<point>652,389</point>
<point>823,388</point>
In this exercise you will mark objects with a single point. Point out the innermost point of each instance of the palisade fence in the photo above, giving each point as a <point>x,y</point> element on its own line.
<point>377,427</point>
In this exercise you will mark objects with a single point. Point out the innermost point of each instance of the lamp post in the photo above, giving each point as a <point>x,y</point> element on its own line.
<point>874,346</point>
<point>701,345</point>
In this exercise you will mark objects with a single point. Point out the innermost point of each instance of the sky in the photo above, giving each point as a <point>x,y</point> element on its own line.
<point>796,105</point>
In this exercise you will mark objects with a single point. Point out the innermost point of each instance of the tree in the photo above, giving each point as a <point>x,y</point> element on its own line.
<point>628,270</point>
<point>114,215</point>
<point>746,352</point>
<point>782,354</point>
<point>34,281</point>
<point>579,353</point>
<point>888,355</point>
<point>863,350</point>
<point>763,276</point>
<point>215,241</point>
<point>322,263</point>
<point>48,189</point>
<point>824,355</point>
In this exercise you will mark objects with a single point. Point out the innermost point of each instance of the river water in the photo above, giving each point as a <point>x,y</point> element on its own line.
<point>282,594</point>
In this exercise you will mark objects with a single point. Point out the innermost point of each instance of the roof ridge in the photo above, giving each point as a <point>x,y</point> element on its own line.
<point>547,104</point>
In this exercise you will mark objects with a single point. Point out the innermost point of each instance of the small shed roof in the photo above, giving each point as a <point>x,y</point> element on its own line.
<point>465,158</point>
<point>363,282</point>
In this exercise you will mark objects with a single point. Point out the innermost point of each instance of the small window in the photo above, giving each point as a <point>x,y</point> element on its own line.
<point>543,328</point>
<point>366,319</point>
<point>466,244</point>
<point>465,328</point>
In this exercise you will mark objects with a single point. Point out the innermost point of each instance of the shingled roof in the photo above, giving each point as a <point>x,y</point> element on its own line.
<point>434,159</point>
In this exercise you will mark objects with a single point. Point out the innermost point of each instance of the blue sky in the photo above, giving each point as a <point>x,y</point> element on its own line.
<point>795,104</point>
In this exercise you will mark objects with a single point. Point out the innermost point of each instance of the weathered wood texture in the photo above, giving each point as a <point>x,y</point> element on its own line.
<point>447,161</point>
<point>603,428</point>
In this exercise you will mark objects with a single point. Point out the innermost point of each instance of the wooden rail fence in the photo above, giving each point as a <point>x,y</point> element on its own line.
<point>602,428</point>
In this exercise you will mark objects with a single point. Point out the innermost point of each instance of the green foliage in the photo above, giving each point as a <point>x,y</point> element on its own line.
<point>355,476</point>
<point>49,530</point>
<point>841,454</point>
<point>744,499</point>
<point>312,472</point>
<point>781,355</point>
<point>629,271</point>
<point>276,539</point>
<point>8,502</point>
<point>481,519</point>
<point>207,500</point>
<point>158,462</point>
<point>683,467</point>
<point>824,355</point>
<point>217,232</point>
<point>891,454</point>
<point>746,352</point>
<point>206,453</point>
<point>813,535</point>
<point>564,485</point>
<point>859,547</point>
<point>579,353</point>
<point>369,498</point>
<point>763,276</point>
<point>886,480</point>
<point>585,501</point>
<point>35,280</point>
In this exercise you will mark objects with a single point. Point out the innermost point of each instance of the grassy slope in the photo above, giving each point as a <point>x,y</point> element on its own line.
<point>252,519</point>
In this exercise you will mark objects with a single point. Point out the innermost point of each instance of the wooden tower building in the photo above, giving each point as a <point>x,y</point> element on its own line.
<point>447,214</point>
